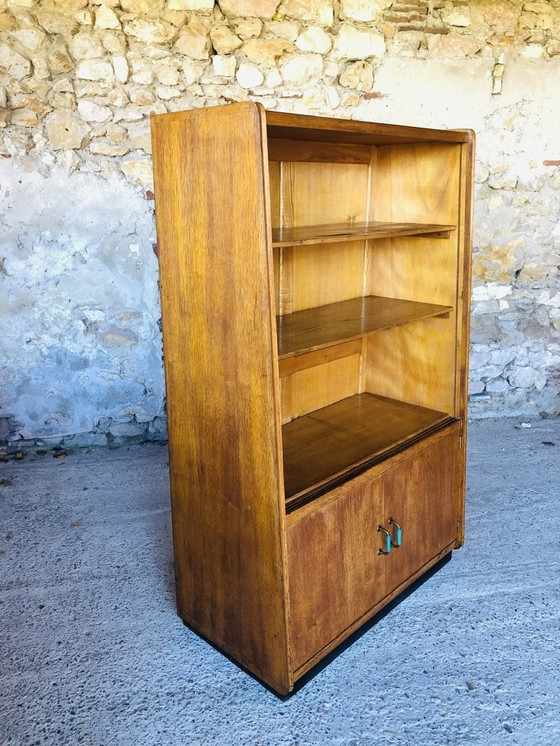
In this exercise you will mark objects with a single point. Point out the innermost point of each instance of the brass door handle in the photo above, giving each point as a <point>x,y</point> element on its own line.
<point>386,540</point>
<point>397,534</point>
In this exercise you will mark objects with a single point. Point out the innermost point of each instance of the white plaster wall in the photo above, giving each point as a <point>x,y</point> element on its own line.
<point>79,310</point>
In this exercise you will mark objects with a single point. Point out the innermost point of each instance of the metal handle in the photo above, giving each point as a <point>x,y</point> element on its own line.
<point>398,533</point>
<point>387,541</point>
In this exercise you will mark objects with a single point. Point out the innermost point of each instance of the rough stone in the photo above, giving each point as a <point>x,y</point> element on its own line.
<point>138,171</point>
<point>167,74</point>
<point>224,40</point>
<point>106,18</point>
<point>255,8</point>
<point>247,28</point>
<point>139,136</point>
<point>101,146</point>
<point>84,17</point>
<point>85,45</point>
<point>90,111</point>
<point>65,130</point>
<point>356,44</point>
<point>249,76</point>
<point>14,62</point>
<point>143,7</point>
<point>199,6</point>
<point>314,39</point>
<point>266,51</point>
<point>31,38</point>
<point>55,22</point>
<point>194,40</point>
<point>533,51</point>
<point>7,22</point>
<point>114,42</point>
<point>120,68</point>
<point>525,377</point>
<point>502,15</point>
<point>59,60</point>
<point>538,8</point>
<point>151,30</point>
<point>192,71</point>
<point>24,118</point>
<point>312,11</point>
<point>458,17</point>
<point>455,45</point>
<point>166,92</point>
<point>224,65</point>
<point>363,10</point>
<point>94,70</point>
<point>301,69</point>
<point>358,76</point>
<point>288,30</point>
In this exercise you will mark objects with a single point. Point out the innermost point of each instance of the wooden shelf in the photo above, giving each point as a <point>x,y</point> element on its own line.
<point>329,446</point>
<point>338,232</point>
<point>304,331</point>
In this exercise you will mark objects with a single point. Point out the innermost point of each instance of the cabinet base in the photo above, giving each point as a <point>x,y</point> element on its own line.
<point>309,671</point>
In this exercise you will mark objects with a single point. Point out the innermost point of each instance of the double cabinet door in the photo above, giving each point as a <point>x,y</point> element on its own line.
<point>360,543</point>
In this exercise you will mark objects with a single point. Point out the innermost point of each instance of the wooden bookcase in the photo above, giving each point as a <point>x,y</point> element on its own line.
<point>315,279</point>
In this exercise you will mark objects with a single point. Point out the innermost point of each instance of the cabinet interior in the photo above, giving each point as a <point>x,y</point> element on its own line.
<point>365,260</point>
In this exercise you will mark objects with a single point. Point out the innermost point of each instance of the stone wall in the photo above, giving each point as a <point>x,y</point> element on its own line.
<point>80,352</point>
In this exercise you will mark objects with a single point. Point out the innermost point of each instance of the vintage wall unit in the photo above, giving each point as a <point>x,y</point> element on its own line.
<point>315,295</point>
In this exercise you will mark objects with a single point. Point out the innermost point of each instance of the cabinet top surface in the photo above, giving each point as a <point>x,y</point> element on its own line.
<point>280,125</point>
<point>305,127</point>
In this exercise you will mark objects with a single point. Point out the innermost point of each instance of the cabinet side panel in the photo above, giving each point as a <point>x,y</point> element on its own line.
<point>463,311</point>
<point>222,382</point>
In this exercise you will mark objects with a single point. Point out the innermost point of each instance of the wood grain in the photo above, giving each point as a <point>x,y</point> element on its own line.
<point>317,386</point>
<point>420,183</point>
<point>352,329</point>
<point>337,232</point>
<point>314,194</point>
<point>419,496</point>
<point>222,390</point>
<point>326,598</point>
<point>329,445</point>
<point>322,129</point>
<point>305,331</point>
<point>318,152</point>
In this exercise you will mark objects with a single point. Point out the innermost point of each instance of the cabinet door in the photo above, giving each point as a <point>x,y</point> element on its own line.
<point>334,570</point>
<point>420,495</point>
<point>336,573</point>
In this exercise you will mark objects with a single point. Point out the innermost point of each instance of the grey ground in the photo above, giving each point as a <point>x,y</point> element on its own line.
<point>93,653</point>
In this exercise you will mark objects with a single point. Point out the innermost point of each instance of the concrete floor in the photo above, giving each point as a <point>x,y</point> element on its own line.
<point>93,653</point>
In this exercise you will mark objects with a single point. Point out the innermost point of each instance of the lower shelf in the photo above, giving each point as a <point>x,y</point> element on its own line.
<point>331,445</point>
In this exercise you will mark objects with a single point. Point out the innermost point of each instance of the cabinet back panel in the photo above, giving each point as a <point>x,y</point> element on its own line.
<point>420,269</point>
<point>414,363</point>
<point>317,194</point>
<point>416,183</point>
<point>316,387</point>
<point>327,274</point>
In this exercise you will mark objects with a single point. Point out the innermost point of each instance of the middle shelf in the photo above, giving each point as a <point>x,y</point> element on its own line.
<point>304,331</point>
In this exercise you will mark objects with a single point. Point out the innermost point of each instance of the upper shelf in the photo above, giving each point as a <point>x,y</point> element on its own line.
<point>304,331</point>
<point>338,232</point>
